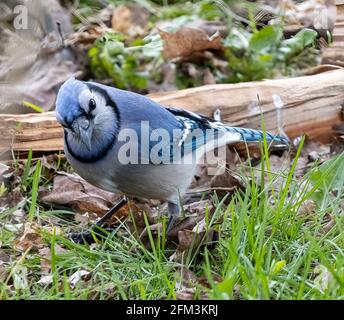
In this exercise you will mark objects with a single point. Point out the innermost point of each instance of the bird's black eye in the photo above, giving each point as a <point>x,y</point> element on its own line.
<point>92,104</point>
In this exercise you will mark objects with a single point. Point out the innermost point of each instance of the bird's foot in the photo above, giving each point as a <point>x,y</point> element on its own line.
<point>89,237</point>
<point>99,229</point>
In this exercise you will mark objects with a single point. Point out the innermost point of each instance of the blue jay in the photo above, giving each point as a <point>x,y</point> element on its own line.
<point>94,116</point>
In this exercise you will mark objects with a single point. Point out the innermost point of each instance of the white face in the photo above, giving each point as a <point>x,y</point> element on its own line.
<point>96,126</point>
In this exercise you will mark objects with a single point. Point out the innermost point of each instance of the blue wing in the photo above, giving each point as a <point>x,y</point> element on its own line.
<point>187,131</point>
<point>192,121</point>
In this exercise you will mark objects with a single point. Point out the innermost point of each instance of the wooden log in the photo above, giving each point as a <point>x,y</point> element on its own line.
<point>312,105</point>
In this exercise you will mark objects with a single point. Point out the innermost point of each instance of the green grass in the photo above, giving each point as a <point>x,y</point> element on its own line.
<point>266,249</point>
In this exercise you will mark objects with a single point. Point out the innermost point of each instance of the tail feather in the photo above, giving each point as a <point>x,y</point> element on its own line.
<point>251,135</point>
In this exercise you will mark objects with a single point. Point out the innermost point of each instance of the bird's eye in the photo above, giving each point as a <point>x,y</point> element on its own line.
<point>92,104</point>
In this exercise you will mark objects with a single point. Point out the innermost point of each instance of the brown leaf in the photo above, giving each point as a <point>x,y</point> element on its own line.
<point>12,199</point>
<point>130,19</point>
<point>192,240</point>
<point>29,239</point>
<point>45,256</point>
<point>4,257</point>
<point>330,222</point>
<point>196,213</point>
<point>317,14</point>
<point>19,216</point>
<point>84,40</point>
<point>3,273</point>
<point>187,41</point>
<point>307,209</point>
<point>47,63</point>
<point>226,183</point>
<point>71,190</point>
<point>187,284</point>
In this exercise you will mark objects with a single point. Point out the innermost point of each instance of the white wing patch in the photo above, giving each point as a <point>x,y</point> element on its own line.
<point>187,129</point>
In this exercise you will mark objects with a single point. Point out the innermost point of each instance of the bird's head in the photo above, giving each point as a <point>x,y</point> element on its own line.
<point>90,119</point>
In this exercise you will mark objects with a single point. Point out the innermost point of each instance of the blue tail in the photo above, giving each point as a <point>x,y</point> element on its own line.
<point>251,135</point>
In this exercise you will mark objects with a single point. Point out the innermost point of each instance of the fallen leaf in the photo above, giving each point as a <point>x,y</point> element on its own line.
<point>130,19</point>
<point>45,257</point>
<point>188,284</point>
<point>14,228</point>
<point>195,216</point>
<point>19,216</point>
<point>13,199</point>
<point>20,280</point>
<point>84,39</point>
<point>226,183</point>
<point>71,190</point>
<point>4,257</point>
<point>29,239</point>
<point>330,222</point>
<point>45,280</point>
<point>3,273</point>
<point>307,208</point>
<point>323,278</point>
<point>76,277</point>
<point>84,219</point>
<point>192,240</point>
<point>47,63</point>
<point>187,41</point>
<point>318,14</point>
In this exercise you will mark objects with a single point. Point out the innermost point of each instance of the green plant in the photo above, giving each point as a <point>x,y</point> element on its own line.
<point>109,57</point>
<point>263,53</point>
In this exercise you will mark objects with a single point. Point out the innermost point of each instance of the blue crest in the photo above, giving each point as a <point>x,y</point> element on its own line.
<point>67,102</point>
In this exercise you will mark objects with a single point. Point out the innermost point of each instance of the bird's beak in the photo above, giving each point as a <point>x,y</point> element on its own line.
<point>86,137</point>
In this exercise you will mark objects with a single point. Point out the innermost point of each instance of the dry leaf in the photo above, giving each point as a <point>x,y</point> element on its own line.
<point>47,63</point>
<point>4,257</point>
<point>330,223</point>
<point>20,280</point>
<point>192,240</point>
<point>187,282</point>
<point>29,239</point>
<point>71,190</point>
<point>226,183</point>
<point>3,273</point>
<point>19,216</point>
<point>76,277</point>
<point>317,14</point>
<point>130,19</point>
<point>46,280</point>
<point>45,256</point>
<point>187,41</point>
<point>323,278</point>
<point>307,208</point>
<point>84,40</point>
<point>13,199</point>
<point>84,219</point>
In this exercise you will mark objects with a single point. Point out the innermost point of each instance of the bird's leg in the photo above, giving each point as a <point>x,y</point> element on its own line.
<point>107,216</point>
<point>87,237</point>
<point>173,215</point>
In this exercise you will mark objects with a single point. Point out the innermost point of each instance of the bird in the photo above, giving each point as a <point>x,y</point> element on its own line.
<point>124,142</point>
